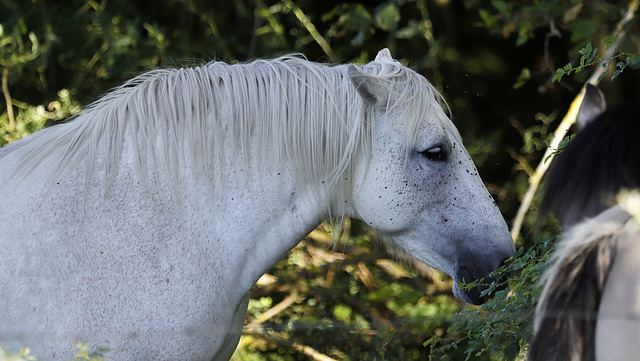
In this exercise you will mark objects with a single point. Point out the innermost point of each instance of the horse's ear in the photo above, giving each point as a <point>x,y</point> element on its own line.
<point>593,104</point>
<point>371,89</point>
<point>384,56</point>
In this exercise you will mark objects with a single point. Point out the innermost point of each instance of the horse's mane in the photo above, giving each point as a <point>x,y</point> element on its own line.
<point>286,111</point>
<point>603,158</point>
<point>565,318</point>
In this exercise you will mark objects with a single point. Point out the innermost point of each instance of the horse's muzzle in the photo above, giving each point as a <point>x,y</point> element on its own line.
<point>474,295</point>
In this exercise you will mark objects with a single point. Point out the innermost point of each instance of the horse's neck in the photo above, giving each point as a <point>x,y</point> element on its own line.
<point>254,213</point>
<point>250,217</point>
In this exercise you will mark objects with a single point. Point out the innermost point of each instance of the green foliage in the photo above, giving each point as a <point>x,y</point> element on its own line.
<point>84,354</point>
<point>581,19</point>
<point>563,143</point>
<point>32,118</point>
<point>23,355</point>
<point>537,137</point>
<point>15,49</point>
<point>501,327</point>
<point>590,58</point>
<point>350,304</point>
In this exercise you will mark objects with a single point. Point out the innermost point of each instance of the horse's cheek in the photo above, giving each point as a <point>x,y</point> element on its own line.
<point>378,199</point>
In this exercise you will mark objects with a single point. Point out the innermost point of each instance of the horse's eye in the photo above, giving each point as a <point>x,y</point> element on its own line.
<point>436,154</point>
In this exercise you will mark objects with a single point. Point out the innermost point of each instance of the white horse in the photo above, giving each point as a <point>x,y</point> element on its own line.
<point>590,305</point>
<point>142,224</point>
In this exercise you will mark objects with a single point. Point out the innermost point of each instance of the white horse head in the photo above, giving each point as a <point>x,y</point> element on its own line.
<point>420,189</point>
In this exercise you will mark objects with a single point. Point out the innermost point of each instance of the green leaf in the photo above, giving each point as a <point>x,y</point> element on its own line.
<point>387,16</point>
<point>357,18</point>
<point>602,75</point>
<point>488,20</point>
<point>342,313</point>
<point>608,41</point>
<point>412,29</point>
<point>511,351</point>
<point>523,78</point>
<point>523,34</point>
<point>615,74</point>
<point>429,342</point>
<point>336,11</point>
<point>563,143</point>
<point>583,29</point>
<point>586,50</point>
<point>502,7</point>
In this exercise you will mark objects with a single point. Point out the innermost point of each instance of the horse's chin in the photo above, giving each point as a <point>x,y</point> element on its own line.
<point>468,272</point>
<point>471,296</point>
